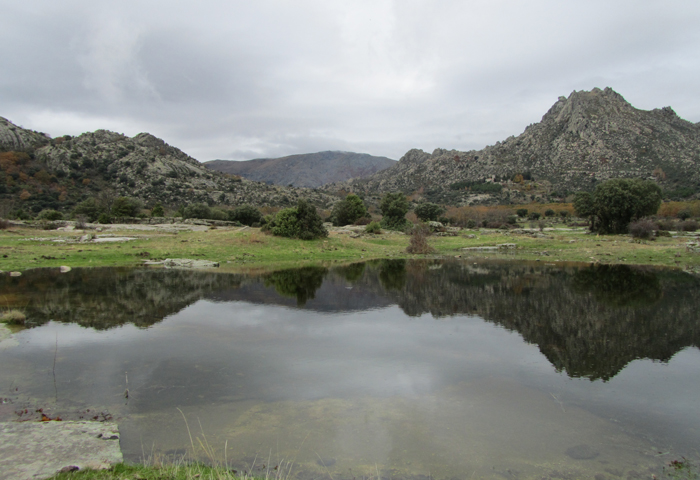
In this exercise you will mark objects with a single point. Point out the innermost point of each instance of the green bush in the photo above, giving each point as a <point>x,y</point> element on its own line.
<point>197,210</point>
<point>348,210</point>
<point>245,214</point>
<point>373,227</point>
<point>684,214</point>
<point>471,223</point>
<point>521,212</point>
<point>534,216</point>
<point>88,209</point>
<point>428,211</point>
<point>50,215</point>
<point>157,210</point>
<point>104,219</point>
<point>549,213</point>
<point>126,207</point>
<point>394,207</point>
<point>302,221</point>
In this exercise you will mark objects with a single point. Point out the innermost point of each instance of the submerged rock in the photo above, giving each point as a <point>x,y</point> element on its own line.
<point>183,263</point>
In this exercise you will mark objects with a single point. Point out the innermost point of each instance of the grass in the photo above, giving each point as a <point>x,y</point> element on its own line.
<point>246,250</point>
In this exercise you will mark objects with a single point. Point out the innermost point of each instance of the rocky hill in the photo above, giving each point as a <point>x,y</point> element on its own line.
<point>584,139</point>
<point>37,172</point>
<point>307,170</point>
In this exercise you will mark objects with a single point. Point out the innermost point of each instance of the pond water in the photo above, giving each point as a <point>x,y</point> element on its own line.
<point>399,369</point>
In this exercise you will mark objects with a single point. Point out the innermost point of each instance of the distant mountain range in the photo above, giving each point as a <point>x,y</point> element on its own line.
<point>582,140</point>
<point>305,170</point>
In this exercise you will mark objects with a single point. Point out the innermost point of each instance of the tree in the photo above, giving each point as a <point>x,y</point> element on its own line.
<point>522,212</point>
<point>394,207</point>
<point>615,203</point>
<point>348,210</point>
<point>428,211</point>
<point>621,200</point>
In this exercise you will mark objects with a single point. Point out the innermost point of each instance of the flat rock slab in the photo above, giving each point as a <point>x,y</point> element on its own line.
<point>36,450</point>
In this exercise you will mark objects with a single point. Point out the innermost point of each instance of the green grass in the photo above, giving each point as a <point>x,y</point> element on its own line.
<point>250,250</point>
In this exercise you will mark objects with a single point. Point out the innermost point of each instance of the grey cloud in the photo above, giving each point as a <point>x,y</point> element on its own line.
<point>252,79</point>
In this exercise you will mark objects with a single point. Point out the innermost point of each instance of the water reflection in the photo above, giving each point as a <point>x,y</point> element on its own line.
<point>400,369</point>
<point>587,321</point>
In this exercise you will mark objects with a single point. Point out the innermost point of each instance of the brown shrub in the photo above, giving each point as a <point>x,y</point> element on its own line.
<point>642,229</point>
<point>418,243</point>
<point>689,226</point>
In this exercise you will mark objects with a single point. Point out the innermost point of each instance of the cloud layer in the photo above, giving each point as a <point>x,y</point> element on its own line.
<point>240,80</point>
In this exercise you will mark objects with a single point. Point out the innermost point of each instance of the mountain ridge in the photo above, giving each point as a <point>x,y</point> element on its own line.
<point>582,140</point>
<point>309,170</point>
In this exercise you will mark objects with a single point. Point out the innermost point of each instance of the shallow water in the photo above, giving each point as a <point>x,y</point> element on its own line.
<point>392,368</point>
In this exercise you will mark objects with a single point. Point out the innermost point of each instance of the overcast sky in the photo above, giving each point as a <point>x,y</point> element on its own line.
<point>238,80</point>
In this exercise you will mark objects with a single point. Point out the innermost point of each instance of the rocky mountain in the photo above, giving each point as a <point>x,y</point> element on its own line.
<point>38,172</point>
<point>307,170</point>
<point>584,139</point>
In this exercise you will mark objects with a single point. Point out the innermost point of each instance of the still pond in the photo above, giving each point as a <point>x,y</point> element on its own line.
<point>399,369</point>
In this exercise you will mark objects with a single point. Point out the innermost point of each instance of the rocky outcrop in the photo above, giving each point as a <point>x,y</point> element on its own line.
<point>584,139</point>
<point>144,167</point>
<point>307,170</point>
<point>14,138</point>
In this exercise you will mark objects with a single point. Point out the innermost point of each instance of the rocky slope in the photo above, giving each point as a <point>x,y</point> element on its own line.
<point>586,138</point>
<point>104,162</point>
<point>308,170</point>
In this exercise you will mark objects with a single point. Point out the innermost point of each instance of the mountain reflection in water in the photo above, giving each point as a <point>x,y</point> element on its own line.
<point>588,321</point>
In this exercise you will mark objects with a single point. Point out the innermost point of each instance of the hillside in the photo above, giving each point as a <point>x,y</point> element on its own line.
<point>307,170</point>
<point>584,139</point>
<point>37,172</point>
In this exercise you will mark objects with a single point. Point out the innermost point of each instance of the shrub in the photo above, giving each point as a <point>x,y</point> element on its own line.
<point>394,207</point>
<point>471,223</point>
<point>104,219</point>
<point>125,207</point>
<point>521,212</point>
<point>564,213</point>
<point>534,216</point>
<point>245,214</point>
<point>301,222</point>
<point>50,215</point>
<point>418,243</point>
<point>689,226</point>
<point>197,210</point>
<point>363,221</point>
<point>428,211</point>
<point>684,214</point>
<point>373,227</point>
<point>4,224</point>
<point>512,219</point>
<point>549,213</point>
<point>642,229</point>
<point>88,209</point>
<point>157,210</point>
<point>666,225</point>
<point>348,210</point>
<point>13,317</point>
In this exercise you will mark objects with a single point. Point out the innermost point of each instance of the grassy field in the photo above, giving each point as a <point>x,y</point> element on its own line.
<point>248,249</point>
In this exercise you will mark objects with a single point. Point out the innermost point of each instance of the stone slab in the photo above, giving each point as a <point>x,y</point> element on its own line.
<point>37,450</point>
